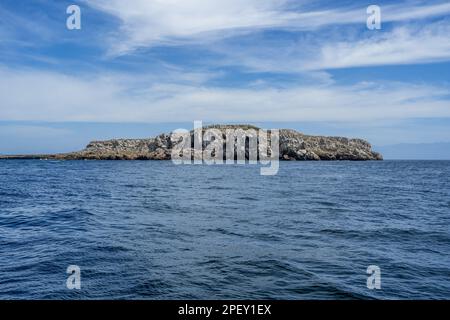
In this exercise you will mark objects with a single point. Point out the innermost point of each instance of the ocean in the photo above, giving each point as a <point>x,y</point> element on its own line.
<point>153,230</point>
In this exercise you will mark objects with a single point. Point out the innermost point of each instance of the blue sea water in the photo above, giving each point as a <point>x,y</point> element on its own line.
<point>153,230</point>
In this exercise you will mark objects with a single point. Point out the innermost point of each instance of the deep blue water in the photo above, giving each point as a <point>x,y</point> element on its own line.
<point>152,230</point>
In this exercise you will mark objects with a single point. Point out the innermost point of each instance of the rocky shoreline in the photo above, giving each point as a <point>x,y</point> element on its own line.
<point>293,145</point>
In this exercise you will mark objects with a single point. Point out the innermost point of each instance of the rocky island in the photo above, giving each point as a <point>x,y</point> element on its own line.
<point>293,145</point>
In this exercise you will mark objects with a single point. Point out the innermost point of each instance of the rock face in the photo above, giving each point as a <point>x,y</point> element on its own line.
<point>293,145</point>
<point>158,148</point>
<point>297,146</point>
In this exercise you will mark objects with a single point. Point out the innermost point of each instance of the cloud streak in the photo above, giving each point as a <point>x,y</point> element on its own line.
<point>46,96</point>
<point>404,45</point>
<point>148,23</point>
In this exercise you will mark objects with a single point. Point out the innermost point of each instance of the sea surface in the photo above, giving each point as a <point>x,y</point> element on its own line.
<point>153,230</point>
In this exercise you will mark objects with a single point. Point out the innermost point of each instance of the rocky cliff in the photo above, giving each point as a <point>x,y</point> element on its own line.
<point>293,145</point>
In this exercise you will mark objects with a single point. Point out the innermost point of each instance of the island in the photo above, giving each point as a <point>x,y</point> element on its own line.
<point>293,145</point>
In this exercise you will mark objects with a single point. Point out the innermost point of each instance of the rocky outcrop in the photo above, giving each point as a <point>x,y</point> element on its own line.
<point>293,145</point>
<point>297,146</point>
<point>158,148</point>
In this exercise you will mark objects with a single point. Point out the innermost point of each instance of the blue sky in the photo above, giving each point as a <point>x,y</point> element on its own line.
<point>139,67</point>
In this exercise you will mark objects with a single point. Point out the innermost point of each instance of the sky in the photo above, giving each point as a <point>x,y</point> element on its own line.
<point>140,67</point>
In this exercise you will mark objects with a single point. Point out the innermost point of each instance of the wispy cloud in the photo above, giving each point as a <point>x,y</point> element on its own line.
<point>147,23</point>
<point>56,97</point>
<point>15,28</point>
<point>404,45</point>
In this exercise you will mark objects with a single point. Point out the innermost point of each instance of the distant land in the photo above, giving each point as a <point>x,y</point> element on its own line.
<point>293,145</point>
<point>50,138</point>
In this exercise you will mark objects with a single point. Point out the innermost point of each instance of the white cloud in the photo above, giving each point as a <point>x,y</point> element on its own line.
<point>146,23</point>
<point>404,45</point>
<point>45,96</point>
<point>406,11</point>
